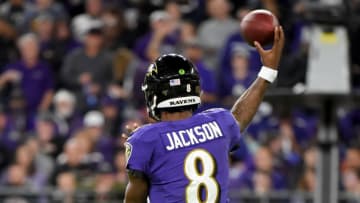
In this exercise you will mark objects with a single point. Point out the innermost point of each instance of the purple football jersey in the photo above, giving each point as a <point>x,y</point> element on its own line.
<point>186,160</point>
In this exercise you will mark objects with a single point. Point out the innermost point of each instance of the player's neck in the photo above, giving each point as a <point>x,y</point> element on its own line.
<point>175,116</point>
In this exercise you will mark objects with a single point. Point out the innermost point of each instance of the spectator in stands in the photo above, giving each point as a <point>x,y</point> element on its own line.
<point>63,44</point>
<point>55,41</point>
<point>188,31</point>
<point>301,176</point>
<point>115,31</point>
<point>66,118</point>
<point>43,165</point>
<point>85,143</point>
<point>7,37</point>
<point>172,7</point>
<point>159,40</point>
<point>112,116</point>
<point>50,7</point>
<point>91,18</point>
<point>31,75</point>
<point>290,148</point>
<point>16,177</point>
<point>263,161</point>
<point>72,156</point>
<point>232,40</point>
<point>64,38</point>
<point>88,70</point>
<point>75,160</point>
<point>307,182</point>
<point>310,157</point>
<point>232,86</point>
<point>44,27</point>
<point>262,182</point>
<point>118,40</point>
<point>48,141</point>
<point>352,157</point>
<point>14,11</point>
<point>287,161</point>
<point>16,121</point>
<point>89,64</point>
<point>66,185</point>
<point>351,181</point>
<point>104,182</point>
<point>66,182</point>
<point>208,84</point>
<point>214,31</point>
<point>25,158</point>
<point>72,146</point>
<point>94,123</point>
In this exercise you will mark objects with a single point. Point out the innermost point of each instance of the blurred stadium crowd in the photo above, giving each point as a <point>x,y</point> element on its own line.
<point>70,81</point>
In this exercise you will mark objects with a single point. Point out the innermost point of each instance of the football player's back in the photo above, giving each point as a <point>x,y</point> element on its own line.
<point>184,158</point>
<point>187,160</point>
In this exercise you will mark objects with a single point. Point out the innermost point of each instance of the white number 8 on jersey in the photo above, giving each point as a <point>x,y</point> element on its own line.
<point>201,179</point>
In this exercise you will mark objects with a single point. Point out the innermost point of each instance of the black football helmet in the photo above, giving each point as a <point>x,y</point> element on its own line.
<point>171,84</point>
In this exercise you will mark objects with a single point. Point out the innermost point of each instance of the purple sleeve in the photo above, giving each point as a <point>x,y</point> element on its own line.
<point>138,153</point>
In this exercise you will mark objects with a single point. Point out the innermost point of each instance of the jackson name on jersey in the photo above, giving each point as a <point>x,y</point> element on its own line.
<point>193,136</point>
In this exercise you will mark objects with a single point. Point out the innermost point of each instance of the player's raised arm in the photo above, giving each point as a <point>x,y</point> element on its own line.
<point>246,106</point>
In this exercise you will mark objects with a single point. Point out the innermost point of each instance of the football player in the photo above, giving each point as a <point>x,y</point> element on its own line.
<point>184,157</point>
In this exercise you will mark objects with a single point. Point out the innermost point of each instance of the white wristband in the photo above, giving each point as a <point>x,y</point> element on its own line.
<point>268,74</point>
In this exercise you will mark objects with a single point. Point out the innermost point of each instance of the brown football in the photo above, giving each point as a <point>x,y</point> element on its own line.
<point>259,25</point>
